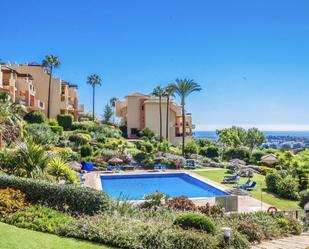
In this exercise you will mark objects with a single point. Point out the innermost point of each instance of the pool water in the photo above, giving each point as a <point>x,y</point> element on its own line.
<point>135,187</point>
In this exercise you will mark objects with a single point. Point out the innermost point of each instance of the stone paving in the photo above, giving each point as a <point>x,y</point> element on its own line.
<point>293,242</point>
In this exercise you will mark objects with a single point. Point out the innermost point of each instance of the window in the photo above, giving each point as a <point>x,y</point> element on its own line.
<point>134,131</point>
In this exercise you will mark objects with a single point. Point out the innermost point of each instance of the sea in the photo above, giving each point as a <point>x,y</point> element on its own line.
<point>293,134</point>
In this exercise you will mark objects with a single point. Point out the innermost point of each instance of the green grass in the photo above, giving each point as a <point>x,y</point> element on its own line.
<point>16,238</point>
<point>267,197</point>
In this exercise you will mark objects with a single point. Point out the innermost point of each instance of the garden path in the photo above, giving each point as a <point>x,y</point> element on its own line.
<point>295,242</point>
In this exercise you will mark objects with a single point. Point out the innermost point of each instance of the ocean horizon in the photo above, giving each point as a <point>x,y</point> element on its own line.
<point>213,136</point>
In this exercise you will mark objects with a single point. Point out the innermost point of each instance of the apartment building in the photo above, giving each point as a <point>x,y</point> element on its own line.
<point>138,111</point>
<point>64,98</point>
<point>20,87</point>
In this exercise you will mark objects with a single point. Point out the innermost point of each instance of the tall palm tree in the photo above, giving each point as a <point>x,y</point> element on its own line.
<point>159,92</point>
<point>183,88</point>
<point>168,93</point>
<point>50,62</point>
<point>112,102</point>
<point>93,80</point>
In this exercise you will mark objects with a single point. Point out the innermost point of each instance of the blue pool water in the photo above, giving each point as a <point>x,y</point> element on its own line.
<point>135,187</point>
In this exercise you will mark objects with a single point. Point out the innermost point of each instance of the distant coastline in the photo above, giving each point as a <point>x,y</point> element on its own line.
<point>293,134</point>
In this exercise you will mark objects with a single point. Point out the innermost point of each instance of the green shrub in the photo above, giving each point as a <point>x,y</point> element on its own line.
<point>256,156</point>
<point>145,146</point>
<point>84,125</point>
<point>86,150</point>
<point>124,232</point>
<point>194,220</point>
<point>65,121</point>
<point>265,170</point>
<point>34,117</point>
<point>8,161</point>
<point>147,134</point>
<point>66,153</point>
<point>63,197</point>
<point>294,226</point>
<point>272,180</point>
<point>239,153</point>
<point>32,159</point>
<point>57,129</point>
<point>59,169</point>
<point>191,148</point>
<point>154,200</point>
<point>287,187</point>
<point>51,122</point>
<point>303,198</point>
<point>239,241</point>
<point>11,201</point>
<point>42,134</point>
<point>211,151</point>
<point>39,218</point>
<point>251,230</point>
<point>164,146</point>
<point>80,138</point>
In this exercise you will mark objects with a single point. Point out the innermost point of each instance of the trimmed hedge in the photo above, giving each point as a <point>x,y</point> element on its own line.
<point>65,121</point>
<point>86,150</point>
<point>57,129</point>
<point>72,198</point>
<point>35,117</point>
<point>195,220</point>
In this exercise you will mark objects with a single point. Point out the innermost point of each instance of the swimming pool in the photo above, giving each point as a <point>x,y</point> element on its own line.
<point>135,187</point>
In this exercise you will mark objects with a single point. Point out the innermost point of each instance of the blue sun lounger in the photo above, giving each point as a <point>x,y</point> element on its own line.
<point>164,167</point>
<point>252,186</point>
<point>156,167</point>
<point>117,168</point>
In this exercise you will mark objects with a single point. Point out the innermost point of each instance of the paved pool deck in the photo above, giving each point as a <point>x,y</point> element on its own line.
<point>245,203</point>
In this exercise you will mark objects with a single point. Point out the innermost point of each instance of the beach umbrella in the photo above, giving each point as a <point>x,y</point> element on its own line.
<point>115,160</point>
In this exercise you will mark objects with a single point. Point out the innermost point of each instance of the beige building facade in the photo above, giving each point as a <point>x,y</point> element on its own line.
<point>138,111</point>
<point>21,88</point>
<point>64,98</point>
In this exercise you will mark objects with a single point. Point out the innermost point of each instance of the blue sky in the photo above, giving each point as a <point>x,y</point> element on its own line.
<point>250,57</point>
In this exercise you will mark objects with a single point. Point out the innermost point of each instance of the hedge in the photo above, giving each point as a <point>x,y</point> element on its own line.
<point>35,117</point>
<point>72,198</point>
<point>65,121</point>
<point>57,129</point>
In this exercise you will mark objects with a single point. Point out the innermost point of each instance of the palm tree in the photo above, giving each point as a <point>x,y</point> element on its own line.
<point>50,62</point>
<point>93,80</point>
<point>112,102</point>
<point>183,88</point>
<point>159,92</point>
<point>168,93</point>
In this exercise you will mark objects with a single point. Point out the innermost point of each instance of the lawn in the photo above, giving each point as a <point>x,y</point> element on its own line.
<point>267,197</point>
<point>16,238</point>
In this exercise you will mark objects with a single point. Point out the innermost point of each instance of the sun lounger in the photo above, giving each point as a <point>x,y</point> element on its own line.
<point>246,184</point>
<point>163,167</point>
<point>252,186</point>
<point>117,168</point>
<point>230,179</point>
<point>156,167</point>
<point>109,168</point>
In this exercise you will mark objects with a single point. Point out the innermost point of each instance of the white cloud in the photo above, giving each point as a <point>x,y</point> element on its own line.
<point>264,127</point>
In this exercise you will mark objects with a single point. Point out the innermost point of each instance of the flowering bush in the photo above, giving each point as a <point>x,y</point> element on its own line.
<point>11,201</point>
<point>181,203</point>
